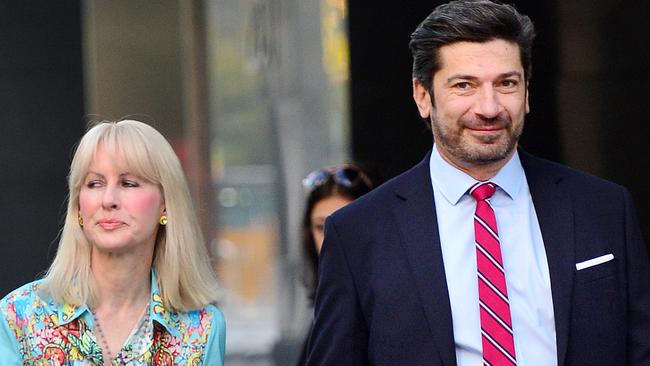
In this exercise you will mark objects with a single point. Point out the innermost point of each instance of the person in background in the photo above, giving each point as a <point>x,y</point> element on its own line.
<point>329,189</point>
<point>131,282</point>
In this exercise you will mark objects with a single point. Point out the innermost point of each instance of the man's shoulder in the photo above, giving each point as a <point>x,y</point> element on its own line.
<point>536,165</point>
<point>383,198</point>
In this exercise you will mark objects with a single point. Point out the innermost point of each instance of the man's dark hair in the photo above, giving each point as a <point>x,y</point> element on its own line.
<point>469,21</point>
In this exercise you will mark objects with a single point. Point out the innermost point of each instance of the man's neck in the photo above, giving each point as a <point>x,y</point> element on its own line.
<point>480,172</point>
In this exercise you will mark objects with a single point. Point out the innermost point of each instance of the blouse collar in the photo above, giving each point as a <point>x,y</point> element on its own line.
<point>157,310</point>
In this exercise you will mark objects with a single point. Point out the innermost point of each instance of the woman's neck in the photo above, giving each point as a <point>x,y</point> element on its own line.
<point>123,281</point>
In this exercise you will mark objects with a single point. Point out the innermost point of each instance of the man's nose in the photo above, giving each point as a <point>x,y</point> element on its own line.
<point>488,105</point>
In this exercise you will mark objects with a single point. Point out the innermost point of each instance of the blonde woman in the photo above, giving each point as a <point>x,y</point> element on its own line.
<point>131,282</point>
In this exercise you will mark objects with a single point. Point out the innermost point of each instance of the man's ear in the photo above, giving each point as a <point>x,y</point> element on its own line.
<point>422,99</point>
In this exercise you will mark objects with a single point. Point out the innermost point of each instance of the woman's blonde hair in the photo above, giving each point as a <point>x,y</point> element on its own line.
<point>184,274</point>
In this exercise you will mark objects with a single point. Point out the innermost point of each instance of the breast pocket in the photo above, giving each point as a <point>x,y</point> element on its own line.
<point>597,272</point>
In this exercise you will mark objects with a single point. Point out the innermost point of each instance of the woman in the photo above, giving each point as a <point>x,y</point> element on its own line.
<point>330,189</point>
<point>131,282</point>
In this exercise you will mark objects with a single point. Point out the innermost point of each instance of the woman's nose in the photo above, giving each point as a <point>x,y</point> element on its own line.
<point>110,199</point>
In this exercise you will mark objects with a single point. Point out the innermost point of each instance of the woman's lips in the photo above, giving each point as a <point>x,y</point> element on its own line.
<point>110,224</point>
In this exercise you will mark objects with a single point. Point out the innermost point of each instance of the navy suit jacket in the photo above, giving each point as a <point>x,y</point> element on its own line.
<point>383,299</point>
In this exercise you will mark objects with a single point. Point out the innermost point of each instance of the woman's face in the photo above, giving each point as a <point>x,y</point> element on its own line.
<point>322,209</point>
<point>120,211</point>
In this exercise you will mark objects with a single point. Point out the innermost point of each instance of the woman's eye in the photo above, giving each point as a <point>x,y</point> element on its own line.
<point>93,184</point>
<point>130,183</point>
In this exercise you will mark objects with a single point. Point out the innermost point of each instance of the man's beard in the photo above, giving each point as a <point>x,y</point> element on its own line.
<point>490,149</point>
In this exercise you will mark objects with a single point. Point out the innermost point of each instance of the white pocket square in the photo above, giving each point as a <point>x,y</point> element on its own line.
<point>594,261</point>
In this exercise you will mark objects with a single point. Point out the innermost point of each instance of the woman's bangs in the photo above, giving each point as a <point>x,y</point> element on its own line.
<point>132,149</point>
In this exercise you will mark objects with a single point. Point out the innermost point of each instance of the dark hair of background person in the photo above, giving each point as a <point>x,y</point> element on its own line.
<point>328,189</point>
<point>468,21</point>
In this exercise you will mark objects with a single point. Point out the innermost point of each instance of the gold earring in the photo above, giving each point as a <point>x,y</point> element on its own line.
<point>163,220</point>
<point>80,220</point>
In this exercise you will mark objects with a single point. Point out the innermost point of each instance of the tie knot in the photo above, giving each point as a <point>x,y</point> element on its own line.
<point>482,190</point>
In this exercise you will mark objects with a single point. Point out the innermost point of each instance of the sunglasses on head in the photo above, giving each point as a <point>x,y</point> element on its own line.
<point>345,175</point>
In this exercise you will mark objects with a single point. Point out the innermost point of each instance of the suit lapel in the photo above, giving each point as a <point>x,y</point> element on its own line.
<point>555,215</point>
<point>418,229</point>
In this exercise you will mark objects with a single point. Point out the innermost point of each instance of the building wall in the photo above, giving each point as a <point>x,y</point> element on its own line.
<point>41,116</point>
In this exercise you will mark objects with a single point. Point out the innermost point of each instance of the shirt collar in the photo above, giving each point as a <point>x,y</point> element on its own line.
<point>69,312</point>
<point>454,183</point>
<point>157,310</point>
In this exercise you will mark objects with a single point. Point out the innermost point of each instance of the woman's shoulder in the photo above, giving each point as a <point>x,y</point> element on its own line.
<point>208,314</point>
<point>32,291</point>
<point>215,313</point>
<point>205,327</point>
<point>216,347</point>
<point>26,302</point>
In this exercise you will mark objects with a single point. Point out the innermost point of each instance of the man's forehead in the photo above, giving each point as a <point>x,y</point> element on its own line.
<point>495,56</point>
<point>465,53</point>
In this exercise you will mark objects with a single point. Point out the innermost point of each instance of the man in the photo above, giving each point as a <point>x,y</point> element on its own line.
<point>482,254</point>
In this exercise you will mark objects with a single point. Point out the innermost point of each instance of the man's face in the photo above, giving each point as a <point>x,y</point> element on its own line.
<point>480,100</point>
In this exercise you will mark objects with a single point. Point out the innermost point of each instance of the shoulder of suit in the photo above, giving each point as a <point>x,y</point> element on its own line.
<point>536,165</point>
<point>380,200</point>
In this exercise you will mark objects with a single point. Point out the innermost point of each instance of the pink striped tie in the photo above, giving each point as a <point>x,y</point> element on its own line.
<point>496,323</point>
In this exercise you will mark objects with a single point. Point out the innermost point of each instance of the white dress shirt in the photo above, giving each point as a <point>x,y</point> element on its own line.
<point>524,260</point>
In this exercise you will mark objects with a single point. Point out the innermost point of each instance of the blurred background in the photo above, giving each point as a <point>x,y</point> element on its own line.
<point>254,94</point>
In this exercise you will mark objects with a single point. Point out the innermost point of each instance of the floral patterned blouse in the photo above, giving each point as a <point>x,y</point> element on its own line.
<point>34,330</point>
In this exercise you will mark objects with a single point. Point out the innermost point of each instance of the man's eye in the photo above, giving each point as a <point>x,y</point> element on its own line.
<point>463,85</point>
<point>509,83</point>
